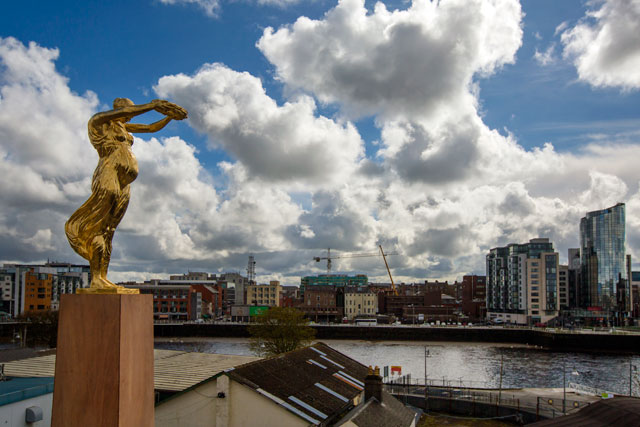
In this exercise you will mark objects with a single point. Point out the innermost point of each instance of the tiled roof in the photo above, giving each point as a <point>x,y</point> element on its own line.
<point>317,383</point>
<point>173,370</point>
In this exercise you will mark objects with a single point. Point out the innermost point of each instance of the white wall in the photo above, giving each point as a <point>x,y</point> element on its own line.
<point>13,414</point>
<point>196,408</point>
<point>249,408</point>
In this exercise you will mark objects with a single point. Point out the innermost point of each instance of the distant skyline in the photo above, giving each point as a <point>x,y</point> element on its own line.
<point>436,129</point>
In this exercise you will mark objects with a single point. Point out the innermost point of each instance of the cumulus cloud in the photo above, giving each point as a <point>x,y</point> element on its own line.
<point>407,63</point>
<point>413,69</point>
<point>276,143</point>
<point>604,44</point>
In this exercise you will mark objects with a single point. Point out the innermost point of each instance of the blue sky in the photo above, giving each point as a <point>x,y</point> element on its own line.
<point>415,176</point>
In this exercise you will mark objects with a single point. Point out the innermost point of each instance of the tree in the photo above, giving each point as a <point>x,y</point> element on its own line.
<point>279,330</point>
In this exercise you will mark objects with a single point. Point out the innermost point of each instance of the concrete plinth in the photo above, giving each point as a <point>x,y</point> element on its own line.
<point>104,362</point>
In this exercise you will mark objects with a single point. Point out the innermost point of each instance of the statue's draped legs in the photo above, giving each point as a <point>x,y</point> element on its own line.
<point>90,230</point>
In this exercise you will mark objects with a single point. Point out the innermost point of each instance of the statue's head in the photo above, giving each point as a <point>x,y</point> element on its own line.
<point>121,103</point>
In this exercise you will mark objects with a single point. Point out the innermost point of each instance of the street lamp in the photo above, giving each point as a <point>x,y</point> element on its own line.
<point>426,380</point>
<point>564,385</point>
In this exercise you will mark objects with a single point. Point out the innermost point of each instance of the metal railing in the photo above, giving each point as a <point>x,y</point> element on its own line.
<point>541,406</point>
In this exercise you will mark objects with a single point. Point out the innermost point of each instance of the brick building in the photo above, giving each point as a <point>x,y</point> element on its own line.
<point>320,304</point>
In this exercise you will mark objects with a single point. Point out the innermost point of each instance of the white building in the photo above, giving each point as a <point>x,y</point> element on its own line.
<point>360,303</point>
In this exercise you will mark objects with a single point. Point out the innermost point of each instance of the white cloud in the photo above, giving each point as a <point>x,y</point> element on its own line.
<point>280,3</point>
<point>413,69</point>
<point>210,7</point>
<point>561,27</point>
<point>42,122</point>
<point>41,241</point>
<point>272,142</point>
<point>604,44</point>
<point>44,150</point>
<point>396,64</point>
<point>547,57</point>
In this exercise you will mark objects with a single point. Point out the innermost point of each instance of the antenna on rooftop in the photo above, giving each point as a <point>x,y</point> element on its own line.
<point>251,270</point>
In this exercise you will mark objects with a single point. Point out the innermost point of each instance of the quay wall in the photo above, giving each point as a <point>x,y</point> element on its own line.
<point>564,341</point>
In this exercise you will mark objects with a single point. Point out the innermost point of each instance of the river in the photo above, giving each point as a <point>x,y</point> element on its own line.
<point>470,364</point>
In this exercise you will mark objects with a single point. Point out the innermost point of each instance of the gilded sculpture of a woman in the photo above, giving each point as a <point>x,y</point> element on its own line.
<point>90,229</point>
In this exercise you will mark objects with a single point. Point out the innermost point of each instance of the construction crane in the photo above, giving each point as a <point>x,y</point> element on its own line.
<point>393,286</point>
<point>329,258</point>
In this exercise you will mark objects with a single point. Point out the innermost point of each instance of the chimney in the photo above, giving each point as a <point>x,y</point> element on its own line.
<point>373,385</point>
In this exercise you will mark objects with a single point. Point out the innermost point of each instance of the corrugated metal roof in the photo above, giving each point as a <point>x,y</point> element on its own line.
<point>173,370</point>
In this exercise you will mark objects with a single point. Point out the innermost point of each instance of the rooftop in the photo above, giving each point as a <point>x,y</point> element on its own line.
<point>317,383</point>
<point>619,412</point>
<point>173,370</point>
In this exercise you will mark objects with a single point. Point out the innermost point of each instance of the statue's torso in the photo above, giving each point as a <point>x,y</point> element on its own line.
<point>113,143</point>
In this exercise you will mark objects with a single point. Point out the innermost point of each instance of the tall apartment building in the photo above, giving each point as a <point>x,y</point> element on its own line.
<point>6,282</point>
<point>264,295</point>
<point>37,291</point>
<point>563,286</point>
<point>573,285</point>
<point>522,282</point>
<point>604,284</point>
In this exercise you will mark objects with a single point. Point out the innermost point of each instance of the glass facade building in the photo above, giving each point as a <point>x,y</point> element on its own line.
<point>604,277</point>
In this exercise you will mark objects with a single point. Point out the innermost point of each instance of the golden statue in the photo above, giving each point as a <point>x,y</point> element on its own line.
<point>90,229</point>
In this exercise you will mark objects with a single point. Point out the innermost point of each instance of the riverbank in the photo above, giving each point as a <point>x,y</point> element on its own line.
<point>560,340</point>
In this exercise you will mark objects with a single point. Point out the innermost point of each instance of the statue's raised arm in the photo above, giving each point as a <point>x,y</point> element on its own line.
<point>90,229</point>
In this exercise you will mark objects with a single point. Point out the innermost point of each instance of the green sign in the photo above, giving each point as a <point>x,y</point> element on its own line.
<point>257,310</point>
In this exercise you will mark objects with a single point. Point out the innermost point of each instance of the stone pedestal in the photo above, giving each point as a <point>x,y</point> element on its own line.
<point>104,362</point>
